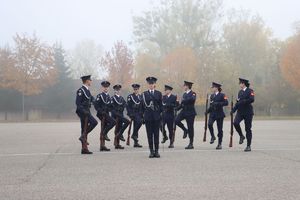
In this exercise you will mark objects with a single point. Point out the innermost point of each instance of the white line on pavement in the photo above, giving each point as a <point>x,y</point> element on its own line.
<point>141,151</point>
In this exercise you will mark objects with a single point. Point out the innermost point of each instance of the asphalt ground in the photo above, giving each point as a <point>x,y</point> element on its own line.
<point>43,161</point>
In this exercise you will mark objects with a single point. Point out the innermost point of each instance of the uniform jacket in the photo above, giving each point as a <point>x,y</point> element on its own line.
<point>103,104</point>
<point>169,105</point>
<point>217,102</point>
<point>244,102</point>
<point>134,105</point>
<point>152,105</point>
<point>118,105</point>
<point>83,100</point>
<point>188,104</point>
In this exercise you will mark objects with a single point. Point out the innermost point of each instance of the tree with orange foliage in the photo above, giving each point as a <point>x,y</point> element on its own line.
<point>290,62</point>
<point>178,65</point>
<point>119,63</point>
<point>29,67</point>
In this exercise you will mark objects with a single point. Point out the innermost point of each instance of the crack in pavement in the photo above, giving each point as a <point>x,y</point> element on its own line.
<point>29,177</point>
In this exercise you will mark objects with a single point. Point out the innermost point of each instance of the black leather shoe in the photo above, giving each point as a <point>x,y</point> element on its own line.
<point>137,145</point>
<point>151,154</point>
<point>248,148</point>
<point>122,138</point>
<point>185,133</point>
<point>219,147</point>
<point>134,137</point>
<point>171,146</point>
<point>106,138</point>
<point>242,138</point>
<point>119,147</point>
<point>86,151</point>
<point>212,140</point>
<point>190,146</point>
<point>104,148</point>
<point>156,154</point>
<point>164,140</point>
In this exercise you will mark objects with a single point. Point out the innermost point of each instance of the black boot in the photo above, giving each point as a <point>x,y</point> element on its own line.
<point>242,138</point>
<point>171,146</point>
<point>247,149</point>
<point>185,133</point>
<point>86,151</point>
<point>164,139</point>
<point>151,155</point>
<point>219,147</point>
<point>122,138</point>
<point>212,140</point>
<point>106,138</point>
<point>119,147</point>
<point>137,145</point>
<point>190,146</point>
<point>104,148</point>
<point>156,154</point>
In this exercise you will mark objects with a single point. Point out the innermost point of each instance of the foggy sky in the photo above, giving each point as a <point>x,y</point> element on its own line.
<point>106,21</point>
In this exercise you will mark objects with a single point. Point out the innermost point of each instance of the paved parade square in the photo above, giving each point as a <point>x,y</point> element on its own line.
<point>43,161</point>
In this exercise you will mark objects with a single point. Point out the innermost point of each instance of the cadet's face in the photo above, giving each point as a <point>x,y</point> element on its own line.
<point>167,92</point>
<point>136,90</point>
<point>185,87</point>
<point>105,89</point>
<point>88,82</point>
<point>242,85</point>
<point>151,86</point>
<point>117,92</point>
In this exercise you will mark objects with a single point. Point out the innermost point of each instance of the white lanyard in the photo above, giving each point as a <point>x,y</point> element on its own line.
<point>106,102</point>
<point>134,100</point>
<point>114,97</point>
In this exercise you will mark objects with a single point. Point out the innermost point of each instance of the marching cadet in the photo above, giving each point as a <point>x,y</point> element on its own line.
<point>216,113</point>
<point>188,113</point>
<point>103,106</point>
<point>135,112</point>
<point>119,104</point>
<point>244,110</point>
<point>83,104</point>
<point>169,102</point>
<point>152,107</point>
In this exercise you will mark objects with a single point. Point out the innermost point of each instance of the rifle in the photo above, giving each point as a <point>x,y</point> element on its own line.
<point>231,122</point>
<point>128,134</point>
<point>102,131</point>
<point>116,132</point>
<point>205,126</point>
<point>174,127</point>
<point>85,130</point>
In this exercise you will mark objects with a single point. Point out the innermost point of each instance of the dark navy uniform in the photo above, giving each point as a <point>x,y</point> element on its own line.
<point>152,107</point>
<point>119,105</point>
<point>103,106</point>
<point>244,110</point>
<point>135,112</point>
<point>187,113</point>
<point>83,103</point>
<point>216,113</point>
<point>169,103</point>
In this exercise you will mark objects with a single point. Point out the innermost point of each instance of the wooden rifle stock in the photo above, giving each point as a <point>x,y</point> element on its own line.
<point>128,134</point>
<point>102,131</point>
<point>116,132</point>
<point>231,122</point>
<point>206,114</point>
<point>174,127</point>
<point>85,130</point>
